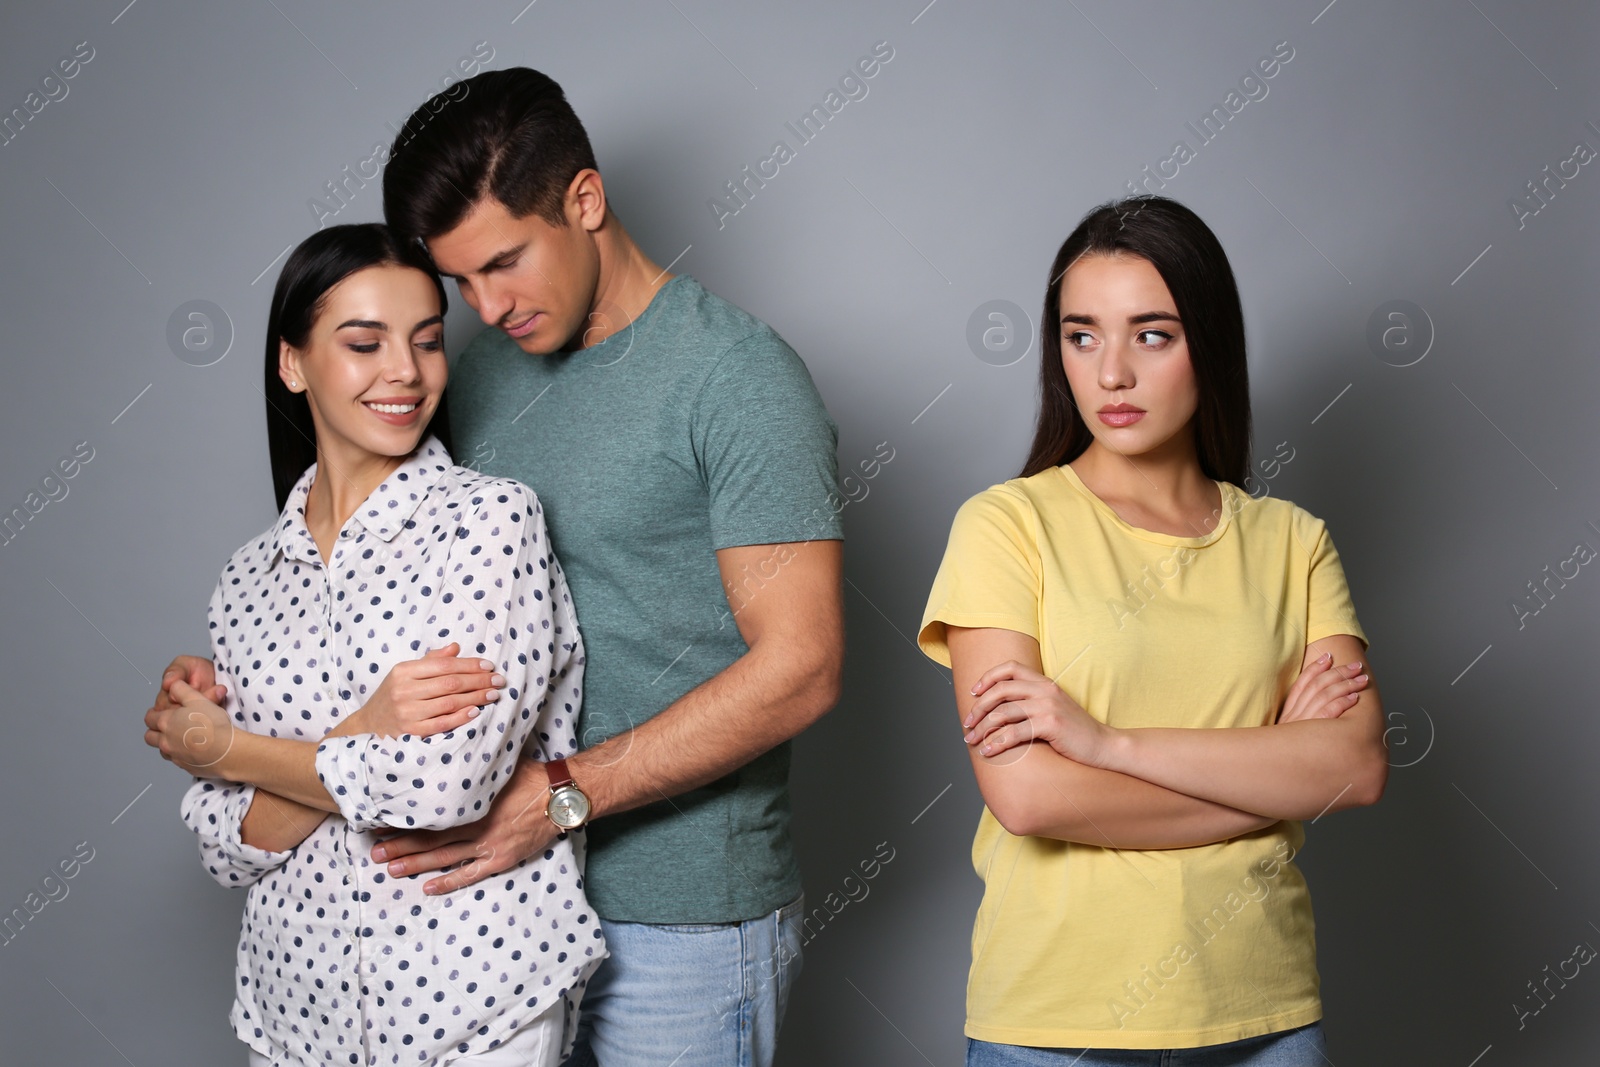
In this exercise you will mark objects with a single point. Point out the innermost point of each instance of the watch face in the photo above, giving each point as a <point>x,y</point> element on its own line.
<point>568,807</point>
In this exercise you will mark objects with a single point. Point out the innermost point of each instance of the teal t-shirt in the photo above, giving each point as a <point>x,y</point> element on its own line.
<point>695,429</point>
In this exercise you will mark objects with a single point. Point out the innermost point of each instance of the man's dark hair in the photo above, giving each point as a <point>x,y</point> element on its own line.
<point>1191,261</point>
<point>509,134</point>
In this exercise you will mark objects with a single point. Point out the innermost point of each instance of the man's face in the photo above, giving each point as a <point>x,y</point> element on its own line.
<point>533,280</point>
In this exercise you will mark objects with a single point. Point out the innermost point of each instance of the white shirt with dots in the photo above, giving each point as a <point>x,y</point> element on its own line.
<point>339,963</point>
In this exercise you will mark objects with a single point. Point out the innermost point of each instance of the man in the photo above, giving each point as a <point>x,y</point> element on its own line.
<point>686,466</point>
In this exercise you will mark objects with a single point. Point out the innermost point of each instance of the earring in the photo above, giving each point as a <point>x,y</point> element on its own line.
<point>294,384</point>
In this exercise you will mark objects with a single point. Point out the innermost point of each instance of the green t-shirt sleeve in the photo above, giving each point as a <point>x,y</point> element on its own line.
<point>767,448</point>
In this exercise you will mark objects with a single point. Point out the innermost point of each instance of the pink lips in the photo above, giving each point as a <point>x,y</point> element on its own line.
<point>1120,415</point>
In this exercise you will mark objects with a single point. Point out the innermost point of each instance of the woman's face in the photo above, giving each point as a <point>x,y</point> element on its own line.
<point>1126,356</point>
<point>373,367</point>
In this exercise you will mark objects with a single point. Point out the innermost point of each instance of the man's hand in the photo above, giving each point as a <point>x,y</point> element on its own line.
<point>515,829</point>
<point>193,731</point>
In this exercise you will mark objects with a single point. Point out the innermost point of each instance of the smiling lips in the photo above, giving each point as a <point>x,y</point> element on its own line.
<point>397,411</point>
<point>1120,414</point>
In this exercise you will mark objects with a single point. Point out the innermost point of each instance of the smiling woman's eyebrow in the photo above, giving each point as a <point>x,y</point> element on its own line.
<point>1142,317</point>
<point>435,320</point>
<point>364,324</point>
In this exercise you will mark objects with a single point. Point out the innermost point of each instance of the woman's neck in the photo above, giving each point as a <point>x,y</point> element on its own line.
<point>1164,490</point>
<point>345,477</point>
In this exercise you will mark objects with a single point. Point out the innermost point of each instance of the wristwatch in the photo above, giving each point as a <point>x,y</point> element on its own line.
<point>569,806</point>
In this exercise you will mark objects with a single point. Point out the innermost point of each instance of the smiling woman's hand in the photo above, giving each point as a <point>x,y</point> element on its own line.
<point>1017,705</point>
<point>191,731</point>
<point>437,692</point>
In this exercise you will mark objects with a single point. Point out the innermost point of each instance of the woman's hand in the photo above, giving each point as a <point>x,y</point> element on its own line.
<point>1323,691</point>
<point>1017,705</point>
<point>438,692</point>
<point>191,731</point>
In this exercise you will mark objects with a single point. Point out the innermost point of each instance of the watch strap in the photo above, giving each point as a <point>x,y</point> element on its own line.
<point>559,775</point>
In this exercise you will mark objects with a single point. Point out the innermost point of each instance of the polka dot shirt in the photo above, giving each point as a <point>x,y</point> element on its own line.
<point>339,963</point>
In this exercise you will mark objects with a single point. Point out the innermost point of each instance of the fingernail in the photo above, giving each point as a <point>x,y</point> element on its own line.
<point>970,737</point>
<point>498,680</point>
<point>1356,666</point>
<point>380,853</point>
<point>984,750</point>
<point>1325,657</point>
<point>1361,678</point>
<point>491,694</point>
<point>485,665</point>
<point>473,713</point>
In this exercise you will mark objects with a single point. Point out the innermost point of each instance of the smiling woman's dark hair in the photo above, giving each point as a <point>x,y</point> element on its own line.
<point>1191,262</point>
<point>319,263</point>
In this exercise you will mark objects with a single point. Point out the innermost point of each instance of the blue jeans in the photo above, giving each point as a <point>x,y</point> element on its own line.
<point>695,995</point>
<point>1300,1047</point>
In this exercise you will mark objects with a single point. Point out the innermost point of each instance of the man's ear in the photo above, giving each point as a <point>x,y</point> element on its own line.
<point>586,199</point>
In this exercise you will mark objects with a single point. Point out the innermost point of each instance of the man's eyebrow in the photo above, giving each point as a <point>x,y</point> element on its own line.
<point>498,256</point>
<point>364,324</point>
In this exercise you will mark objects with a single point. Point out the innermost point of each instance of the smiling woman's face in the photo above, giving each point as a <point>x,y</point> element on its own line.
<point>373,367</point>
<point>1126,355</point>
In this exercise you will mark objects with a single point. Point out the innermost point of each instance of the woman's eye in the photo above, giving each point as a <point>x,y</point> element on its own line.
<point>365,349</point>
<point>1154,338</point>
<point>1079,338</point>
<point>430,346</point>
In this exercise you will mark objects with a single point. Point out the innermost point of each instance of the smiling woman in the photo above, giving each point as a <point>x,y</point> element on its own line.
<point>349,265</point>
<point>327,718</point>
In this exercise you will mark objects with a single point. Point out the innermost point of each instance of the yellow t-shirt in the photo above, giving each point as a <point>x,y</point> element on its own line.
<point>1081,946</point>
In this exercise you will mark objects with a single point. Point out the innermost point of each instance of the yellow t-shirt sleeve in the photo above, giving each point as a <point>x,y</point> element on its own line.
<point>1329,609</point>
<point>990,575</point>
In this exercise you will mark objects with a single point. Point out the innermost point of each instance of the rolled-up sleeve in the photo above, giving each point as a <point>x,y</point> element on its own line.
<point>504,598</point>
<point>215,809</point>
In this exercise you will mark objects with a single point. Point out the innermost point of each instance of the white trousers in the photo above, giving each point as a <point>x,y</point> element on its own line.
<point>537,1043</point>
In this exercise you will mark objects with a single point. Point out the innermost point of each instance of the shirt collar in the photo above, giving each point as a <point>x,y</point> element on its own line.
<point>384,513</point>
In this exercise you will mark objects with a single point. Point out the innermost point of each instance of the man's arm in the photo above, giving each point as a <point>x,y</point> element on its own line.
<point>789,678</point>
<point>1035,791</point>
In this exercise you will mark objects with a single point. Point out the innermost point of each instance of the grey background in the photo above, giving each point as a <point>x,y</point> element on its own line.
<point>1378,168</point>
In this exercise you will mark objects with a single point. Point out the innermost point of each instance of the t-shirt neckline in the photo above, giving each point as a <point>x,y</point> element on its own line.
<point>649,310</point>
<point>1230,506</point>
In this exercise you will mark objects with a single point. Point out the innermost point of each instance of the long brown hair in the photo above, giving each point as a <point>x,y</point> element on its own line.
<point>1191,262</point>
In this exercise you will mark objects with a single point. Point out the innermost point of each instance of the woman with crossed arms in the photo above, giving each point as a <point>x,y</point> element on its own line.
<point>341,712</point>
<point>1157,678</point>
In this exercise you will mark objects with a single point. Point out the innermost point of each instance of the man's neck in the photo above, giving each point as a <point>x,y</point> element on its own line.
<point>629,280</point>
